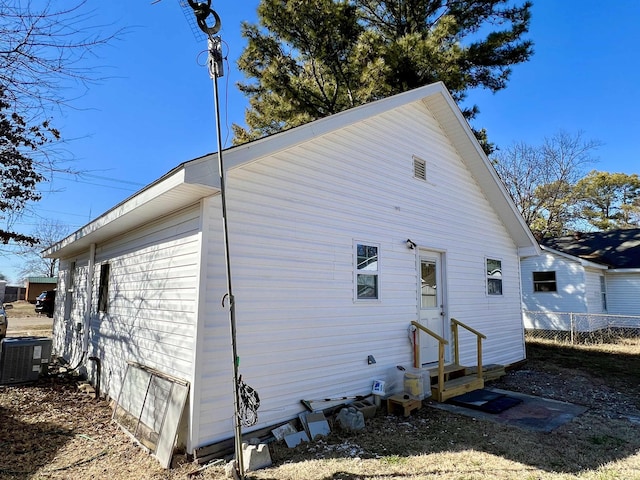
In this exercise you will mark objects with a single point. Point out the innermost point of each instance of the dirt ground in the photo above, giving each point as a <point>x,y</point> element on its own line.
<point>56,430</point>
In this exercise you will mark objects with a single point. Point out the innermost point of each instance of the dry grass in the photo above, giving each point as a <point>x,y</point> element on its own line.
<point>21,308</point>
<point>603,443</point>
<point>24,321</point>
<point>436,444</point>
<point>52,431</point>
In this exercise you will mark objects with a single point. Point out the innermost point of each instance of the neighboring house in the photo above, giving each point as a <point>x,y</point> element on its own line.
<point>37,285</point>
<point>324,277</point>
<point>594,274</point>
<point>14,293</point>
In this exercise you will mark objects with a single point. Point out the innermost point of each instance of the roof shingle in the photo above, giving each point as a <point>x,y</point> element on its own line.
<point>614,248</point>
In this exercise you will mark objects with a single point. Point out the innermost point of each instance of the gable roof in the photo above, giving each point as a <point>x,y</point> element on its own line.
<point>199,178</point>
<point>614,248</point>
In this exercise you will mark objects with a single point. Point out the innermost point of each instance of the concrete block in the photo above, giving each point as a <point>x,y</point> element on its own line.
<point>367,409</point>
<point>256,457</point>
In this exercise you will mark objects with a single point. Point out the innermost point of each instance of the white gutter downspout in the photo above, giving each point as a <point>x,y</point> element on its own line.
<point>87,313</point>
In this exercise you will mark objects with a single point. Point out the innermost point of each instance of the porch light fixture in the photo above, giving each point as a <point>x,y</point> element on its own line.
<point>410,245</point>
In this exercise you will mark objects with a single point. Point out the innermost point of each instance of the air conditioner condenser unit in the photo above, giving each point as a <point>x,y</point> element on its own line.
<point>22,359</point>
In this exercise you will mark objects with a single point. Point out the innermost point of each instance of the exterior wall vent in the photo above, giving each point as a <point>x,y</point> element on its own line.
<point>419,168</point>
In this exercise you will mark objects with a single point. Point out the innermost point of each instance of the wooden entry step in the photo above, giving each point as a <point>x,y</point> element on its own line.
<point>490,372</point>
<point>451,371</point>
<point>455,387</point>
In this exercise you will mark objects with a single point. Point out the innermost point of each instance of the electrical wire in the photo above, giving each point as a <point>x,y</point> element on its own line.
<point>226,93</point>
<point>111,179</point>
<point>249,404</point>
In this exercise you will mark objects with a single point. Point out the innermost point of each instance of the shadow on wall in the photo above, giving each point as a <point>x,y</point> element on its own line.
<point>144,319</point>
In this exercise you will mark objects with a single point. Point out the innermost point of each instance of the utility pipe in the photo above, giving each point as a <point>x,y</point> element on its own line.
<point>86,326</point>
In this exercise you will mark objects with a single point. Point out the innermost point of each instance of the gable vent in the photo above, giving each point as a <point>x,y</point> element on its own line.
<point>419,168</point>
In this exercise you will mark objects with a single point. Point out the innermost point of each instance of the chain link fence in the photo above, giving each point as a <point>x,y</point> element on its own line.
<point>571,327</point>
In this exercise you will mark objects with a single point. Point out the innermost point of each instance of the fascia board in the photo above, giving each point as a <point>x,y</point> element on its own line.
<point>174,181</point>
<point>529,251</point>
<point>464,140</point>
<point>624,270</point>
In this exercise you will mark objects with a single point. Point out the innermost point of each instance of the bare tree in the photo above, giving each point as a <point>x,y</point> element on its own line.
<point>34,264</point>
<point>45,48</point>
<point>541,179</point>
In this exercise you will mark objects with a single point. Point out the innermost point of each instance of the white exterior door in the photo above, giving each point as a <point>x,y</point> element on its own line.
<point>431,303</point>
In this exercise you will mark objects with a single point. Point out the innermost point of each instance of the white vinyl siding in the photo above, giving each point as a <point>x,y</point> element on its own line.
<point>67,335</point>
<point>571,293</point>
<point>293,219</point>
<point>150,317</point>
<point>594,294</point>
<point>623,293</point>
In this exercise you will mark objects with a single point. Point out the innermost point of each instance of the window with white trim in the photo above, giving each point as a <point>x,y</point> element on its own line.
<point>494,277</point>
<point>544,282</point>
<point>367,272</point>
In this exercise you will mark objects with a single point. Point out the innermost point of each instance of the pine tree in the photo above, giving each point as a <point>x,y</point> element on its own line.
<point>610,200</point>
<point>307,59</point>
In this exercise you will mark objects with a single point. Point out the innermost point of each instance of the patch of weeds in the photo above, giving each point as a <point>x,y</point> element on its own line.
<point>394,460</point>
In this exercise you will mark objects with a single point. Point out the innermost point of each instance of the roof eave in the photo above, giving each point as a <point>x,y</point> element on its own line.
<point>582,261</point>
<point>624,270</point>
<point>181,187</point>
<point>464,140</point>
<point>197,178</point>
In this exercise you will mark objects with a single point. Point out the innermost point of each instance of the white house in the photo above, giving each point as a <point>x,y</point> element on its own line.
<point>583,281</point>
<point>323,274</point>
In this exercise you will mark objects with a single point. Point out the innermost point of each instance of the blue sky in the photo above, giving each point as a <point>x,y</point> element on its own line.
<point>154,108</point>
